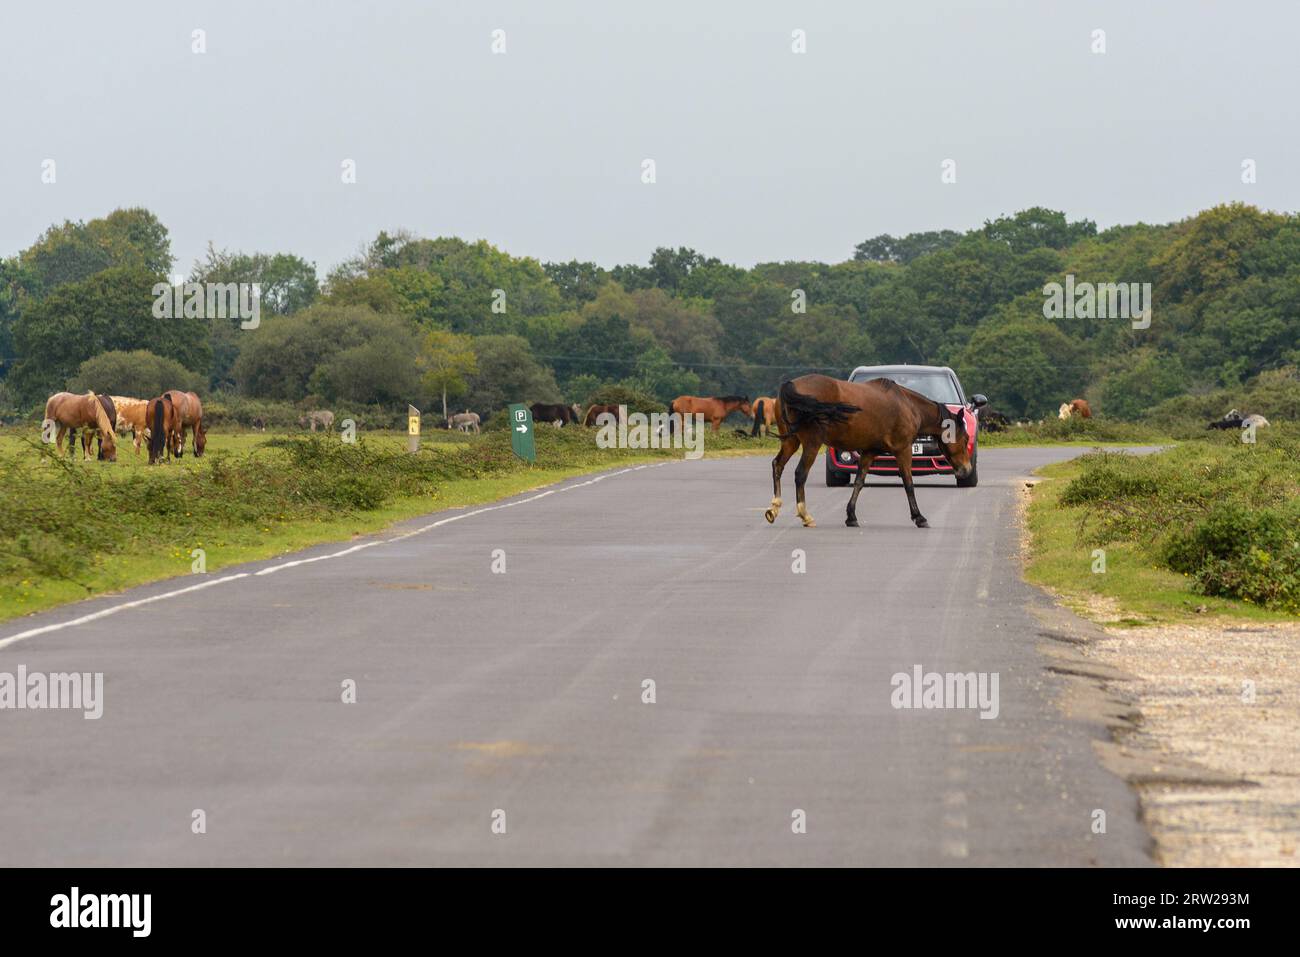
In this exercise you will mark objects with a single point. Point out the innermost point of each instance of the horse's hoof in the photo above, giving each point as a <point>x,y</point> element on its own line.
<point>809,523</point>
<point>922,523</point>
<point>770,516</point>
<point>851,522</point>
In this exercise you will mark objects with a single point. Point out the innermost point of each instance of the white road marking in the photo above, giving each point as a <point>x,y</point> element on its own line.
<point>104,613</point>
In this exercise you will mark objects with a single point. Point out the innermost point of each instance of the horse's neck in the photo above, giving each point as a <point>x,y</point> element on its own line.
<point>928,411</point>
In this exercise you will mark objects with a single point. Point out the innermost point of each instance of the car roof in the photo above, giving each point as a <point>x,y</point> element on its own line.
<point>885,370</point>
<point>904,368</point>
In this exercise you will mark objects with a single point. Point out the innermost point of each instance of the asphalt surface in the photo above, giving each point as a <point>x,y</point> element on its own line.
<point>521,692</point>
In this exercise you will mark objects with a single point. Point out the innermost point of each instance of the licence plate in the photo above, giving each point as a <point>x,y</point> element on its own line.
<point>917,448</point>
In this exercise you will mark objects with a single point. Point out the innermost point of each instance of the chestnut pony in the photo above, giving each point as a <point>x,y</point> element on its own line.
<point>715,408</point>
<point>189,412</point>
<point>70,411</point>
<point>766,416</point>
<point>878,417</point>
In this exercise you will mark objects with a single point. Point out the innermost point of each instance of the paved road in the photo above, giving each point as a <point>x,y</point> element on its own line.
<point>522,692</point>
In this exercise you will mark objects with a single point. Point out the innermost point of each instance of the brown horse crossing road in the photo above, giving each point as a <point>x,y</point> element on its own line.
<point>630,668</point>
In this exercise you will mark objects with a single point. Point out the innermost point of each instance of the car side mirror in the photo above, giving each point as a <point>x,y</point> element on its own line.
<point>978,401</point>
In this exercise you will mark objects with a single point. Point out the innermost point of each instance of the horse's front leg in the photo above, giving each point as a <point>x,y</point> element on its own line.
<point>810,450</point>
<point>905,470</point>
<point>788,447</point>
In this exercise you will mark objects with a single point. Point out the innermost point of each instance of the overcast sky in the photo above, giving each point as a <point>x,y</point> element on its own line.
<point>761,154</point>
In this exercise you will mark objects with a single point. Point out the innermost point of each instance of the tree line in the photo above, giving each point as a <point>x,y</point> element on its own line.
<point>413,319</point>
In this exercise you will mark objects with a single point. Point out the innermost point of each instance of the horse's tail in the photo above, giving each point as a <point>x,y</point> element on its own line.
<point>157,438</point>
<point>758,418</point>
<point>670,416</point>
<point>799,410</point>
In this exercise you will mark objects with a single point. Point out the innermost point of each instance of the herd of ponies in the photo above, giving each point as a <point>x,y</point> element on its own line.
<point>163,422</point>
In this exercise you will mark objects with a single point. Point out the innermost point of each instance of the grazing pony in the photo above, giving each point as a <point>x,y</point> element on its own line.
<point>558,414</point>
<point>71,412</point>
<point>1080,406</point>
<point>1231,420</point>
<point>189,413</point>
<point>324,418</point>
<point>111,412</point>
<point>131,418</point>
<point>991,421</point>
<point>164,427</point>
<point>596,411</point>
<point>714,408</point>
<point>873,418</point>
<point>466,421</point>
<point>766,416</point>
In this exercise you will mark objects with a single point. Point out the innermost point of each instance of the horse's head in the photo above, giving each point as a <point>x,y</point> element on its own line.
<point>200,440</point>
<point>955,440</point>
<point>746,406</point>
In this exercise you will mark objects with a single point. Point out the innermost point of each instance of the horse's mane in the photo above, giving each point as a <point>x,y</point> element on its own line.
<point>732,398</point>
<point>101,417</point>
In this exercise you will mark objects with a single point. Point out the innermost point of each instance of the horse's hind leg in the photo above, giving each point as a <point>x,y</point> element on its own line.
<point>810,450</point>
<point>788,446</point>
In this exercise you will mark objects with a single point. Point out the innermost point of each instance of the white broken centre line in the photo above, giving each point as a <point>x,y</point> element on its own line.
<point>105,612</point>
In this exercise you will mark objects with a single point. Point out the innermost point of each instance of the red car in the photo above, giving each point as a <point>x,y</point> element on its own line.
<point>935,382</point>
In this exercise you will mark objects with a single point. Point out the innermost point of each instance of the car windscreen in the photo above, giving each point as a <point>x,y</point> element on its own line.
<point>932,385</point>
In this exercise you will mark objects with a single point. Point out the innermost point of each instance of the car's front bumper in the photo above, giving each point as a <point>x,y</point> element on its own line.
<point>888,465</point>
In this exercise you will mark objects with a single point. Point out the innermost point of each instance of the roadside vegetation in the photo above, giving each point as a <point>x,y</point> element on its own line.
<point>1209,526</point>
<point>71,529</point>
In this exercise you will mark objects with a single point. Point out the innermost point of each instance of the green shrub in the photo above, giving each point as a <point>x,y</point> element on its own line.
<point>1223,512</point>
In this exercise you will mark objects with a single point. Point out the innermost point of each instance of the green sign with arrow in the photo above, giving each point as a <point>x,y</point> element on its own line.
<point>521,432</point>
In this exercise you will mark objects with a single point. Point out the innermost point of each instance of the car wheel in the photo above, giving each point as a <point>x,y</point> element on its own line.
<point>970,481</point>
<point>834,477</point>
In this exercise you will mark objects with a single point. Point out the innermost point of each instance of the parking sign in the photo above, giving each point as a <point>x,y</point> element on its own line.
<point>521,433</point>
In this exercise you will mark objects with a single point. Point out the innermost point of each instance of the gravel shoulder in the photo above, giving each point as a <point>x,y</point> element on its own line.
<point>1205,725</point>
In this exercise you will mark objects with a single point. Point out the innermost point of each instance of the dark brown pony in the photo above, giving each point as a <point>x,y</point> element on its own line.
<point>554,412</point>
<point>766,416</point>
<point>164,427</point>
<point>873,418</point>
<point>714,408</point>
<point>189,411</point>
<point>596,410</point>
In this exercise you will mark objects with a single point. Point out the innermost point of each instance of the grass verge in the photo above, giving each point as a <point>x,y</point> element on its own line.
<point>70,530</point>
<point>1208,528</point>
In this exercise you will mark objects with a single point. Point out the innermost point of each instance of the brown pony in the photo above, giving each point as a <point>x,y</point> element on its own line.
<point>189,411</point>
<point>597,410</point>
<point>71,412</point>
<point>164,427</point>
<point>1081,406</point>
<point>715,408</point>
<point>767,416</point>
<point>878,417</point>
